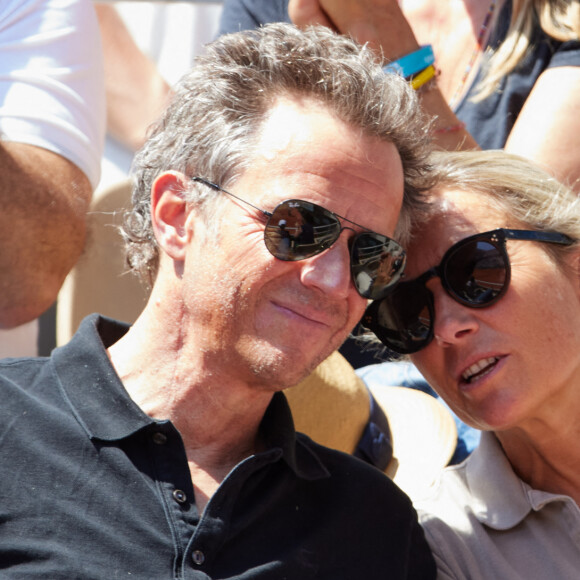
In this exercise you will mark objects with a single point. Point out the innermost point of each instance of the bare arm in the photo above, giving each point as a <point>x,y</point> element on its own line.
<point>44,200</point>
<point>548,127</point>
<point>382,25</point>
<point>136,91</point>
<point>56,105</point>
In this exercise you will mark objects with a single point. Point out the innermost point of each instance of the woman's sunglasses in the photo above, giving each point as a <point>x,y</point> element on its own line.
<point>297,230</point>
<point>475,272</point>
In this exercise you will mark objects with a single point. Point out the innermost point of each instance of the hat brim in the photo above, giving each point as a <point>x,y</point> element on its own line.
<point>424,436</point>
<point>332,406</point>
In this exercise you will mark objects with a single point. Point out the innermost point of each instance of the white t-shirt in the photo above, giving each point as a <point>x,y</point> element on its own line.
<point>51,95</point>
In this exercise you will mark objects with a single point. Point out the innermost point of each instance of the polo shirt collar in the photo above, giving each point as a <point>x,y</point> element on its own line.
<point>277,429</point>
<point>92,387</point>
<point>106,411</point>
<point>500,497</point>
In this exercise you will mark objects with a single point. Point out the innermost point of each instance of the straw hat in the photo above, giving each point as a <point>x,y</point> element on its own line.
<point>332,406</point>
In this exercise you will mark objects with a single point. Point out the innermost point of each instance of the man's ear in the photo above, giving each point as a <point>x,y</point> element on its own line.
<point>169,212</point>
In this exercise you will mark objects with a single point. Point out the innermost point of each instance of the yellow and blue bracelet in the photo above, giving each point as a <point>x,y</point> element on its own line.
<point>411,64</point>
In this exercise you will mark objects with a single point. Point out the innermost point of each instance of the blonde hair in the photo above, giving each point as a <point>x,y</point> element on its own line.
<point>513,184</point>
<point>559,19</point>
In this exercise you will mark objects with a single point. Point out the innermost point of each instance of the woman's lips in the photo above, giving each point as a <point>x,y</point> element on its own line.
<point>479,369</point>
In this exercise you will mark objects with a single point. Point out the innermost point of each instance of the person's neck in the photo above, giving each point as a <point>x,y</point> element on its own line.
<point>217,414</point>
<point>547,457</point>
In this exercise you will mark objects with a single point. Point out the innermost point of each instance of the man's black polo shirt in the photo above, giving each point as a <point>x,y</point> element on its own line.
<point>92,488</point>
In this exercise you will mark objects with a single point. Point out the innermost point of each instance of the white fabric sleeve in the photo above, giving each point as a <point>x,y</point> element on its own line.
<point>51,79</point>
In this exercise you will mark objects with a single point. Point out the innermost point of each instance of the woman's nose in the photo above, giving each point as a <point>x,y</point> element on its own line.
<point>453,321</point>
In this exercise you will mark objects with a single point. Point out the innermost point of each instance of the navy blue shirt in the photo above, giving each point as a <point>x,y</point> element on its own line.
<point>92,488</point>
<point>490,121</point>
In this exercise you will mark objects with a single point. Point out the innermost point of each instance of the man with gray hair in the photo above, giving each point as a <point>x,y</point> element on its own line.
<point>264,203</point>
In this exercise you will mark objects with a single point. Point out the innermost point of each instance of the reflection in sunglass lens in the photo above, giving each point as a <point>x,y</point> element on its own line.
<point>403,320</point>
<point>298,230</point>
<point>475,273</point>
<point>377,263</point>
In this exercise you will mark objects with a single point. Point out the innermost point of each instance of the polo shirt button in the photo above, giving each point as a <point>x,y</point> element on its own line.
<point>179,496</point>
<point>159,438</point>
<point>198,557</point>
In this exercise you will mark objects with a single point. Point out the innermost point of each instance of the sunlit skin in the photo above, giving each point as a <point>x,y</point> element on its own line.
<point>534,328</point>
<point>228,324</point>
<point>274,320</point>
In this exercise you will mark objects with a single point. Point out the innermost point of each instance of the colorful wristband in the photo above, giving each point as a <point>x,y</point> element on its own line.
<point>413,63</point>
<point>423,77</point>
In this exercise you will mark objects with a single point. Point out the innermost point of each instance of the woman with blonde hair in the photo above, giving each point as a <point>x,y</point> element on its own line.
<point>489,312</point>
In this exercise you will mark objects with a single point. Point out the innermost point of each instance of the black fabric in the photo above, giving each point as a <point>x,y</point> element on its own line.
<point>92,488</point>
<point>247,14</point>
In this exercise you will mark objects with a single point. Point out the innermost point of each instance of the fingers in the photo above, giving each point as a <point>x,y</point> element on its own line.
<point>308,12</point>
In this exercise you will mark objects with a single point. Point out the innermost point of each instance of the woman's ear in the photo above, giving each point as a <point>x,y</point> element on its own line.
<point>169,212</point>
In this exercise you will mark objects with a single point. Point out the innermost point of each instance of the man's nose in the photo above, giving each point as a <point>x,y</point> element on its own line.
<point>330,270</point>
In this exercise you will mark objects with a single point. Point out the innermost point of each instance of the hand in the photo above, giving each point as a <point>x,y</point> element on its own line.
<point>308,12</point>
<point>380,23</point>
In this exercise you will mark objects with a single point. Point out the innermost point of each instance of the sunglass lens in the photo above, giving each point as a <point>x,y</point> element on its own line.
<point>377,264</point>
<point>298,230</point>
<point>403,321</point>
<point>476,273</point>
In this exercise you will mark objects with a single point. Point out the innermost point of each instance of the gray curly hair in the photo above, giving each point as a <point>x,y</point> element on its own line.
<point>214,119</point>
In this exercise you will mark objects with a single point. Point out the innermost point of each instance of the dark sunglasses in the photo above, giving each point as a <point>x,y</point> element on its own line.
<point>475,272</point>
<point>297,230</point>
